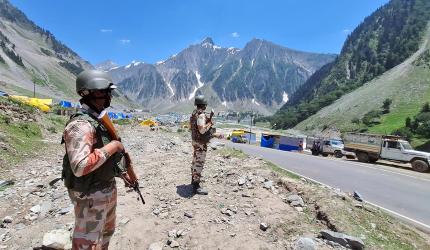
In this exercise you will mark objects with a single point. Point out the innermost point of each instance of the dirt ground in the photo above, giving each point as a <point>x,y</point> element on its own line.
<point>244,192</point>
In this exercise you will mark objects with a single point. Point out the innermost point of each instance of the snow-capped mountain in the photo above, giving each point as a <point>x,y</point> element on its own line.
<point>262,74</point>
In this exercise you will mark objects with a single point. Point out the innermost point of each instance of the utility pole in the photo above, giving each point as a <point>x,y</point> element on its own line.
<point>34,89</point>
<point>250,128</point>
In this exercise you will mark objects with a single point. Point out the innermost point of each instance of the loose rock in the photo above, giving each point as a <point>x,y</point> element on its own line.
<point>8,219</point>
<point>57,239</point>
<point>36,209</point>
<point>295,201</point>
<point>174,244</point>
<point>264,226</point>
<point>268,184</point>
<point>343,239</point>
<point>305,244</point>
<point>357,196</point>
<point>188,214</point>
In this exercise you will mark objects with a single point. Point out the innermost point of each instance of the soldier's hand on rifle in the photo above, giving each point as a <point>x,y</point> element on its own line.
<point>127,180</point>
<point>114,147</point>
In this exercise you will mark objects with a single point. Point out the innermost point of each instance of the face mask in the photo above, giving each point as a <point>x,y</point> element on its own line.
<point>107,102</point>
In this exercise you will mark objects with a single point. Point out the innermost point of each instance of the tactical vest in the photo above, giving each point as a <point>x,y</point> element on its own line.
<point>100,178</point>
<point>195,134</point>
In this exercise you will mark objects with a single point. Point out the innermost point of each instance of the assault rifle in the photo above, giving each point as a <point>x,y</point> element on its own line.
<point>132,181</point>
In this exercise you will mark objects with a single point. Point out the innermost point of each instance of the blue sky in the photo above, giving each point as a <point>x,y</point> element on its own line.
<point>151,31</point>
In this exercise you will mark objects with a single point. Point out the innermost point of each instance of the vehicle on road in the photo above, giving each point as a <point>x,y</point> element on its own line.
<point>328,147</point>
<point>370,148</point>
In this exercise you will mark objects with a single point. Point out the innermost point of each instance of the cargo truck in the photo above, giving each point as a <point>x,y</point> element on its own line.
<point>370,148</point>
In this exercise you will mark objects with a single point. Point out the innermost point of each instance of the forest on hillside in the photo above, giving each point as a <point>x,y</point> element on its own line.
<point>383,40</point>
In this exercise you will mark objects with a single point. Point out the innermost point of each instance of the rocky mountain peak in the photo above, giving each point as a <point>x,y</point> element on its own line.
<point>106,65</point>
<point>207,40</point>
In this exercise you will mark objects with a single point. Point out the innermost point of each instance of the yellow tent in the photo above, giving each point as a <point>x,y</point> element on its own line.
<point>42,104</point>
<point>148,123</point>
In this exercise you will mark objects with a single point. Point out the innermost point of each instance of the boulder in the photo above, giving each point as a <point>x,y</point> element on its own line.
<point>343,239</point>
<point>305,244</point>
<point>57,239</point>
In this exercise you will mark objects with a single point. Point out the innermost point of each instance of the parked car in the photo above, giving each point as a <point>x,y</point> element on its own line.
<point>328,147</point>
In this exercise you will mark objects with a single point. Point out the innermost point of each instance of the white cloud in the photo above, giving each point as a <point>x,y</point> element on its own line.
<point>125,41</point>
<point>346,31</point>
<point>235,35</point>
<point>105,30</point>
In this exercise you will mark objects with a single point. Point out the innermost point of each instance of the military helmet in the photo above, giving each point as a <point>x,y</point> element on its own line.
<point>93,80</point>
<point>200,100</point>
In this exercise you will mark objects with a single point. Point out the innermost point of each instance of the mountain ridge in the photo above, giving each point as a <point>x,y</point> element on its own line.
<point>261,74</point>
<point>383,40</point>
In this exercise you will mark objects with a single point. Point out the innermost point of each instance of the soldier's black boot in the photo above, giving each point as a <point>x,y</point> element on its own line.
<point>197,189</point>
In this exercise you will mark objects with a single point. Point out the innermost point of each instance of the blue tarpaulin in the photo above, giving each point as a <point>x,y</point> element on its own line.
<point>112,115</point>
<point>3,93</point>
<point>267,141</point>
<point>116,116</point>
<point>66,104</point>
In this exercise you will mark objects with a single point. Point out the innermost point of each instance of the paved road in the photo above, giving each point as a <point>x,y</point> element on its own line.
<point>405,194</point>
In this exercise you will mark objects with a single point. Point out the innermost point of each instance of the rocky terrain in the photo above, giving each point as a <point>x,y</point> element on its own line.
<point>251,205</point>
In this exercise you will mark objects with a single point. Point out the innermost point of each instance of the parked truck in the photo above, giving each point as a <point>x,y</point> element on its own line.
<point>370,148</point>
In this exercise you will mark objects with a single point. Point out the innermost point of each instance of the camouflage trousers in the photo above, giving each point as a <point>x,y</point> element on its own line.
<point>94,218</point>
<point>199,157</point>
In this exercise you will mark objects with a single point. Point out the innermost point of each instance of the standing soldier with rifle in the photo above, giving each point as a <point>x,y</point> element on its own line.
<point>92,161</point>
<point>201,133</point>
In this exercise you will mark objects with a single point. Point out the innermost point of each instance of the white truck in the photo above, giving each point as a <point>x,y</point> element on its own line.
<point>370,148</point>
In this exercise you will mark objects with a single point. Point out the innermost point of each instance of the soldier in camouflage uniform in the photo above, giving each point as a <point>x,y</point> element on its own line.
<point>91,162</point>
<point>200,133</point>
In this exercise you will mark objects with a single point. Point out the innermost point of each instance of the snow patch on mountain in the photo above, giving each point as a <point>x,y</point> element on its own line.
<point>193,94</point>
<point>133,64</point>
<point>201,84</point>
<point>285,97</point>
<point>255,102</point>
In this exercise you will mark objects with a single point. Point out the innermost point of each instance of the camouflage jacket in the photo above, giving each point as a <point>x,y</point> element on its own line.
<point>86,165</point>
<point>198,127</point>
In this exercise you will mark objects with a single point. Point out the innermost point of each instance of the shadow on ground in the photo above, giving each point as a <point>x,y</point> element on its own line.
<point>185,191</point>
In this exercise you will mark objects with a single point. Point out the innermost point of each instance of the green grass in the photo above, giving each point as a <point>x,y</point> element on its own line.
<point>123,121</point>
<point>396,119</point>
<point>263,125</point>
<point>235,126</point>
<point>21,91</point>
<point>281,171</point>
<point>56,123</point>
<point>22,137</point>
<point>231,152</point>
<point>408,86</point>
<point>383,236</point>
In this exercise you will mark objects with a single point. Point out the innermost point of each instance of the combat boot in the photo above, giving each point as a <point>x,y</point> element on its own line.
<point>197,189</point>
